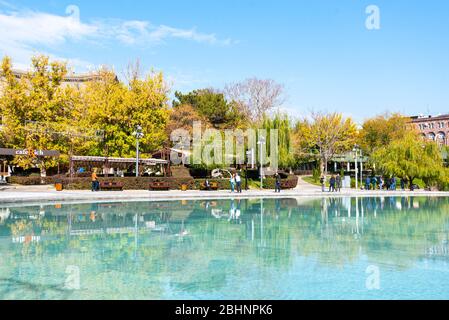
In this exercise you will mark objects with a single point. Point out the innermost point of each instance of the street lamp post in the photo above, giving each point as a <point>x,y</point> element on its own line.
<point>261,142</point>
<point>361,167</point>
<point>356,154</point>
<point>139,135</point>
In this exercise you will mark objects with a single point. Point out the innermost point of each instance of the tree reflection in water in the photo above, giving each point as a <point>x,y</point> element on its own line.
<point>195,249</point>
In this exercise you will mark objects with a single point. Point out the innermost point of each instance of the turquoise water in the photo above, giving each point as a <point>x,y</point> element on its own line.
<point>343,248</point>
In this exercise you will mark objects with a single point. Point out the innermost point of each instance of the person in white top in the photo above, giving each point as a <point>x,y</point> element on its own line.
<point>232,183</point>
<point>238,181</point>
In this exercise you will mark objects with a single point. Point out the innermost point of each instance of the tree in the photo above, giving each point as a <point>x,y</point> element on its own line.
<point>117,109</point>
<point>411,157</point>
<point>326,135</point>
<point>183,116</point>
<point>213,106</point>
<point>381,130</point>
<point>282,123</point>
<point>255,97</point>
<point>34,108</point>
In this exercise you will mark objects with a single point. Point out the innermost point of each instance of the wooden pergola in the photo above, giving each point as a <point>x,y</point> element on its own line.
<point>118,163</point>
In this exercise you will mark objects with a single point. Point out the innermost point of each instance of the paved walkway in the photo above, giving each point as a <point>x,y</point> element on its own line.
<point>305,186</point>
<point>15,195</point>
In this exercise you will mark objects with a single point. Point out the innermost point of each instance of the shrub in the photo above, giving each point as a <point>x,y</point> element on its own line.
<point>289,183</point>
<point>143,183</point>
<point>223,184</point>
<point>77,183</point>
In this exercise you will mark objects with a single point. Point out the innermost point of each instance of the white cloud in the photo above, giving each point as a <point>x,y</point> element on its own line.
<point>24,31</point>
<point>143,33</point>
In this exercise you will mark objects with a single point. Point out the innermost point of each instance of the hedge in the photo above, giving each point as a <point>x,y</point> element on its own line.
<point>133,183</point>
<point>142,183</point>
<point>289,183</point>
<point>223,184</point>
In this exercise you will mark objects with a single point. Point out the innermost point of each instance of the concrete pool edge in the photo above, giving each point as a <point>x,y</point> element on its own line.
<point>15,198</point>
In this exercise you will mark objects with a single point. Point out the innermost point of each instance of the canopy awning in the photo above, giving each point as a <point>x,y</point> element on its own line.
<point>117,160</point>
<point>348,158</point>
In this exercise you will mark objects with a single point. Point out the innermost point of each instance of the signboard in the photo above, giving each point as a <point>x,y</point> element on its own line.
<point>26,152</point>
<point>346,183</point>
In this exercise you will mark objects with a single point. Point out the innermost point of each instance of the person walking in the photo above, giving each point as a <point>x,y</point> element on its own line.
<point>338,182</point>
<point>368,183</point>
<point>238,181</point>
<point>393,184</point>
<point>332,184</point>
<point>323,182</point>
<point>95,184</point>
<point>277,187</point>
<point>374,182</point>
<point>232,182</point>
<point>402,184</point>
<point>381,183</point>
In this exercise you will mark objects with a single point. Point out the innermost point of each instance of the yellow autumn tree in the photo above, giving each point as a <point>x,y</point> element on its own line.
<point>115,109</point>
<point>325,135</point>
<point>379,131</point>
<point>35,107</point>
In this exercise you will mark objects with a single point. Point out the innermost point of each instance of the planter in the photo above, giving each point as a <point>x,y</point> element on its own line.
<point>59,186</point>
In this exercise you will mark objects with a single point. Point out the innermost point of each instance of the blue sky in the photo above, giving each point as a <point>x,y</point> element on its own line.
<point>320,50</point>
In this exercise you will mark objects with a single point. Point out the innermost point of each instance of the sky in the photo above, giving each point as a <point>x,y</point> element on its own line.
<point>321,50</point>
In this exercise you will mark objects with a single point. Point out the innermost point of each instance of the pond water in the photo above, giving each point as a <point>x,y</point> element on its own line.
<point>342,248</point>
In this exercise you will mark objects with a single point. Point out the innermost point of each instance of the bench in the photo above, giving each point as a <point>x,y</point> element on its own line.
<point>111,186</point>
<point>159,186</point>
<point>212,186</point>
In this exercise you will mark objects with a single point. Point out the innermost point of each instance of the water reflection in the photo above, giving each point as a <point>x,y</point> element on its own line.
<point>249,249</point>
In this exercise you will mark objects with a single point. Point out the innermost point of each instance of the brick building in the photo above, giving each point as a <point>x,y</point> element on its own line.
<point>434,128</point>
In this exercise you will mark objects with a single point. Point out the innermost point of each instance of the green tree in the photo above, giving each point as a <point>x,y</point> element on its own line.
<point>282,123</point>
<point>213,106</point>
<point>411,157</point>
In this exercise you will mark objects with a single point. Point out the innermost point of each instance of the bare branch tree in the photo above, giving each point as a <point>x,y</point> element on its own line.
<point>133,71</point>
<point>255,97</point>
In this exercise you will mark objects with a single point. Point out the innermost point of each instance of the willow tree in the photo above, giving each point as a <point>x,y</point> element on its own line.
<point>282,123</point>
<point>411,157</point>
<point>35,107</point>
<point>326,135</point>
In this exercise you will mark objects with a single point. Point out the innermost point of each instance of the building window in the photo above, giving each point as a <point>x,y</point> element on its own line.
<point>431,136</point>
